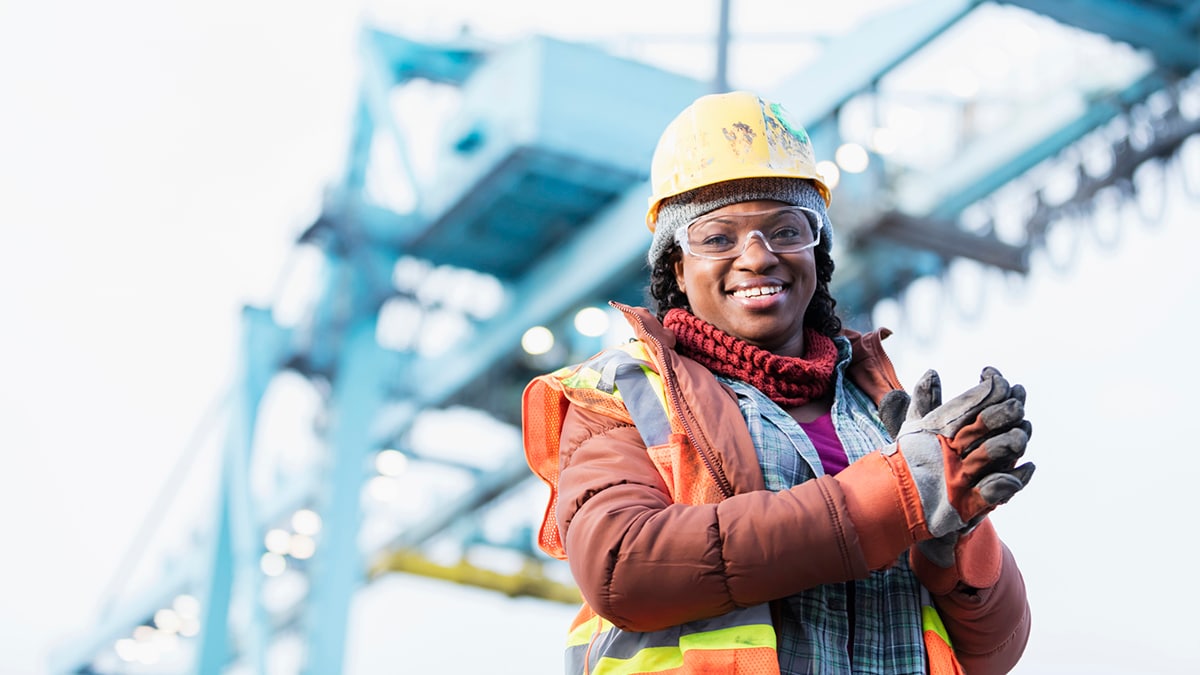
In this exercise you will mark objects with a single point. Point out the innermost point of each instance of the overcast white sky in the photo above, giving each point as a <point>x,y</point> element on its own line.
<point>156,161</point>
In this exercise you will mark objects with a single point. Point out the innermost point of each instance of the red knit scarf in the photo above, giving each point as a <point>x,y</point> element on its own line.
<point>789,381</point>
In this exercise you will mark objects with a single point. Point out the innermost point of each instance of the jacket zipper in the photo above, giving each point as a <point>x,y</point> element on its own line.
<point>877,346</point>
<point>672,389</point>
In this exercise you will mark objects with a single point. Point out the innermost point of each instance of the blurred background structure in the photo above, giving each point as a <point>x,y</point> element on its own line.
<point>490,201</point>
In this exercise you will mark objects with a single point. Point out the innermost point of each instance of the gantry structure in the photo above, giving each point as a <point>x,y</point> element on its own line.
<point>428,277</point>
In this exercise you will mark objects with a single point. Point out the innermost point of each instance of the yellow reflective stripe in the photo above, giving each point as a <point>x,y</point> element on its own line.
<point>635,349</point>
<point>584,631</point>
<point>735,637</point>
<point>932,621</point>
<point>648,660</point>
<point>584,378</point>
<point>653,659</point>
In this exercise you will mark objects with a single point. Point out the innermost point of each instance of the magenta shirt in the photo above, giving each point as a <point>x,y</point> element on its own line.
<point>829,447</point>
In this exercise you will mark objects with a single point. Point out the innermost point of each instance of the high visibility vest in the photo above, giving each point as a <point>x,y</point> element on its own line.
<point>625,384</point>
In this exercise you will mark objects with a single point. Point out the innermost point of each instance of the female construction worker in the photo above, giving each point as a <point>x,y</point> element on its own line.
<point>744,488</point>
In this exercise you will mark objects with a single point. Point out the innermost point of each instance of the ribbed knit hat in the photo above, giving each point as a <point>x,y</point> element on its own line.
<point>682,209</point>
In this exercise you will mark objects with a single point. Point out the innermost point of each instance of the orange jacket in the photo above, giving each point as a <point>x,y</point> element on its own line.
<point>622,529</point>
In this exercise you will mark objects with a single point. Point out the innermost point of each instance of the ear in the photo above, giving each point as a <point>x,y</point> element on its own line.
<point>678,265</point>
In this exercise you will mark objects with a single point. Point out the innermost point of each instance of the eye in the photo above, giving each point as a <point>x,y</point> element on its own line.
<point>787,232</point>
<point>717,239</point>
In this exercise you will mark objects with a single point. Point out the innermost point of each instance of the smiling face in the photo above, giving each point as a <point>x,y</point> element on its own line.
<point>759,296</point>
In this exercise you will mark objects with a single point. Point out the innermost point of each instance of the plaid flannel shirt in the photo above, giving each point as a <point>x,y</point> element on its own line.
<point>869,626</point>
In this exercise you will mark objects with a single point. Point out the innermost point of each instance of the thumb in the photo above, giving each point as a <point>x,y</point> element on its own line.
<point>892,409</point>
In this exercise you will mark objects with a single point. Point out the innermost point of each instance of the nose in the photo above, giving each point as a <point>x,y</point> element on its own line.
<point>761,253</point>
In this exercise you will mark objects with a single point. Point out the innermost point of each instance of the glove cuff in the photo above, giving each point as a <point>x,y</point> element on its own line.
<point>977,558</point>
<point>884,506</point>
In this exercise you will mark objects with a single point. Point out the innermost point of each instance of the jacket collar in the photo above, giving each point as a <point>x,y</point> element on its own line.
<point>870,368</point>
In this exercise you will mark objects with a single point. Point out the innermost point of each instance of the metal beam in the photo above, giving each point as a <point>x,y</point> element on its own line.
<point>982,170</point>
<point>235,543</point>
<point>850,64</point>
<point>358,396</point>
<point>1166,33</point>
<point>530,581</point>
<point>602,252</point>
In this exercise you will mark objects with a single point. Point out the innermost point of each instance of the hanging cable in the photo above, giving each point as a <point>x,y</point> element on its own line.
<point>1187,162</point>
<point>1063,261</point>
<point>1105,208</point>
<point>1150,175</point>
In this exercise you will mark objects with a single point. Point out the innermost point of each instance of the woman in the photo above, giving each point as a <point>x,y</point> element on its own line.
<point>726,492</point>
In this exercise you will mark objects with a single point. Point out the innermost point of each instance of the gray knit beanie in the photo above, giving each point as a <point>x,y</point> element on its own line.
<point>677,211</point>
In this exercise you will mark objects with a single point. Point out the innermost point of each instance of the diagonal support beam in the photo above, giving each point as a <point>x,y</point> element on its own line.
<point>852,63</point>
<point>1166,33</point>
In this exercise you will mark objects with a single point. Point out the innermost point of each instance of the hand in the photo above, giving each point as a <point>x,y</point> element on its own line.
<point>962,454</point>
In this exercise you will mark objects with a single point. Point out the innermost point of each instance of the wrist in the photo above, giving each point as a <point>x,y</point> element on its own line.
<point>880,498</point>
<point>977,562</point>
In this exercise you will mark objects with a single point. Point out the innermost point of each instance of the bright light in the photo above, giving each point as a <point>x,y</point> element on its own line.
<point>537,340</point>
<point>383,489</point>
<point>147,653</point>
<point>167,620</point>
<point>187,606</point>
<point>302,547</point>
<point>829,173</point>
<point>143,633</point>
<point>852,157</point>
<point>126,649</point>
<point>272,564</point>
<point>277,540</point>
<point>165,642</point>
<point>391,462</point>
<point>591,321</point>
<point>306,521</point>
<point>884,141</point>
<point>190,627</point>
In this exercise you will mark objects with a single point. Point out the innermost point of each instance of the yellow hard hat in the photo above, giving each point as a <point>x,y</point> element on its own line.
<point>723,137</point>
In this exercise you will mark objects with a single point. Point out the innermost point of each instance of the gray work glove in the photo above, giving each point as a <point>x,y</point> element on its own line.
<point>980,436</point>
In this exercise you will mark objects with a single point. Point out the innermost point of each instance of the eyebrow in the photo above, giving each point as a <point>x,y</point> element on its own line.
<point>769,216</point>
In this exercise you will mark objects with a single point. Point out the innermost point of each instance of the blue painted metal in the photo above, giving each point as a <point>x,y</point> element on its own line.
<point>850,64</point>
<point>1006,162</point>
<point>1167,30</point>
<point>358,394</point>
<point>558,131</point>
<point>237,540</point>
<point>541,183</point>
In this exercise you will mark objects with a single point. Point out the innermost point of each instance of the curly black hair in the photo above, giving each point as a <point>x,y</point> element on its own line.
<point>665,294</point>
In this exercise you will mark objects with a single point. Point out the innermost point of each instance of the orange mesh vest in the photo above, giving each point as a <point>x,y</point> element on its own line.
<point>625,383</point>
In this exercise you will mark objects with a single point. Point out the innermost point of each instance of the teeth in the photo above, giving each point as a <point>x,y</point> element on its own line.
<point>758,291</point>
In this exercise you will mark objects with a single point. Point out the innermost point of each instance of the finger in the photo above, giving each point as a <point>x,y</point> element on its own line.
<point>1000,487</point>
<point>927,395</point>
<point>996,454</point>
<point>995,419</point>
<point>962,410</point>
<point>1023,473</point>
<point>1018,392</point>
<point>892,409</point>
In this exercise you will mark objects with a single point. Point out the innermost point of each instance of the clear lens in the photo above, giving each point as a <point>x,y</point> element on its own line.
<point>789,229</point>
